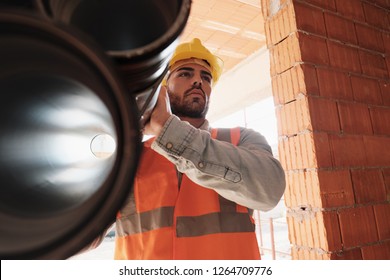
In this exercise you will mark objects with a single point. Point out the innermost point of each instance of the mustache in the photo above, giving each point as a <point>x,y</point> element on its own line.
<point>198,87</point>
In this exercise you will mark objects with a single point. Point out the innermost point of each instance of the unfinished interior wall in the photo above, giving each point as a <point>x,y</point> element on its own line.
<point>330,64</point>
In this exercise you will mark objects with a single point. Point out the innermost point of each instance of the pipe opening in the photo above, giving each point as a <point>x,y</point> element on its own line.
<point>103,146</point>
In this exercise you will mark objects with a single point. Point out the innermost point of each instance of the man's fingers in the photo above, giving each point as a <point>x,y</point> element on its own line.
<point>160,113</point>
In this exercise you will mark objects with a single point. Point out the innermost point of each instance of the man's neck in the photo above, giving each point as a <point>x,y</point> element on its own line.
<point>195,122</point>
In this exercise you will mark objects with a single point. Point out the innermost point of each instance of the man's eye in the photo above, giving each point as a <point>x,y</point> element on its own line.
<point>207,79</point>
<point>184,74</point>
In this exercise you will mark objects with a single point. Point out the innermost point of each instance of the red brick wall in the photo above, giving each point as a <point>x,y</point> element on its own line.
<point>330,69</point>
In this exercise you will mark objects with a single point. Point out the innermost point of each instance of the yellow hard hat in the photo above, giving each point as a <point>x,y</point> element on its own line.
<point>195,49</point>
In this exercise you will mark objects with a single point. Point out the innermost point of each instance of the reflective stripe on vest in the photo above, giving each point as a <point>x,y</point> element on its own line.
<point>186,226</point>
<point>213,223</point>
<point>146,221</point>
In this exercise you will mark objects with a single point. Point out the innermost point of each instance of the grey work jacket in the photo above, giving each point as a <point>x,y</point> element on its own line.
<point>247,174</point>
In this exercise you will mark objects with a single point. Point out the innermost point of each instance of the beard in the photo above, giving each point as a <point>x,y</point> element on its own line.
<point>189,106</point>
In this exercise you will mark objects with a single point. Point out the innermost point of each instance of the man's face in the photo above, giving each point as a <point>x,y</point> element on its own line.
<point>189,89</point>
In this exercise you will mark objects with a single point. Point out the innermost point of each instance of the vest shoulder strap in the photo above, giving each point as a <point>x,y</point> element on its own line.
<point>231,135</point>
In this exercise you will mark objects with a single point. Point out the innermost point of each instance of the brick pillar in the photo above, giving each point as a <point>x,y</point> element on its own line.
<point>330,62</point>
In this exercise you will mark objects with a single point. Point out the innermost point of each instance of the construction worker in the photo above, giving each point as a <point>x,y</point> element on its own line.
<point>196,187</point>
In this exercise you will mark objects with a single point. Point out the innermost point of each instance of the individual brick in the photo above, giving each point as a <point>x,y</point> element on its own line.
<point>334,83</point>
<point>323,150</point>
<point>304,120</point>
<point>289,194</point>
<point>336,188</point>
<point>273,60</point>
<point>311,179</point>
<point>368,186</point>
<point>288,118</point>
<point>291,230</point>
<point>350,8</point>
<point>282,153</point>
<point>355,118</point>
<point>385,90</point>
<point>295,80</point>
<point>373,64</point>
<point>277,90</point>
<point>275,33</point>
<point>294,48</point>
<point>382,3</point>
<point>369,37</point>
<point>307,79</point>
<point>280,124</point>
<point>382,214</point>
<point>380,117</point>
<point>348,150</point>
<point>366,90</point>
<point>377,150</point>
<point>286,154</point>
<point>289,19</point>
<point>288,94</point>
<point>380,251</point>
<point>340,28</point>
<point>344,57</point>
<point>386,41</point>
<point>285,21</point>
<point>333,230</point>
<point>313,49</point>
<point>308,150</point>
<point>324,114</point>
<point>357,226</point>
<point>386,177</point>
<point>376,16</point>
<point>309,19</point>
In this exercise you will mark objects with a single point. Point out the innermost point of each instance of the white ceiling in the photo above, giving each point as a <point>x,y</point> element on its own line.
<point>232,29</point>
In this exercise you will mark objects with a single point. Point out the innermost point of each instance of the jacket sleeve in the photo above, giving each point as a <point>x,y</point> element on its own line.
<point>247,174</point>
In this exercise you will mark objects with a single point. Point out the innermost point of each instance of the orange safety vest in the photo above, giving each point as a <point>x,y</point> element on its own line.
<point>162,220</point>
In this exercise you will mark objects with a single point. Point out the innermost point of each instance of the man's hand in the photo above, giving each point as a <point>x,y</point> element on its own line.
<point>160,114</point>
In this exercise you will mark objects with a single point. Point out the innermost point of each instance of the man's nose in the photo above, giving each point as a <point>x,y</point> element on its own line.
<point>197,81</point>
